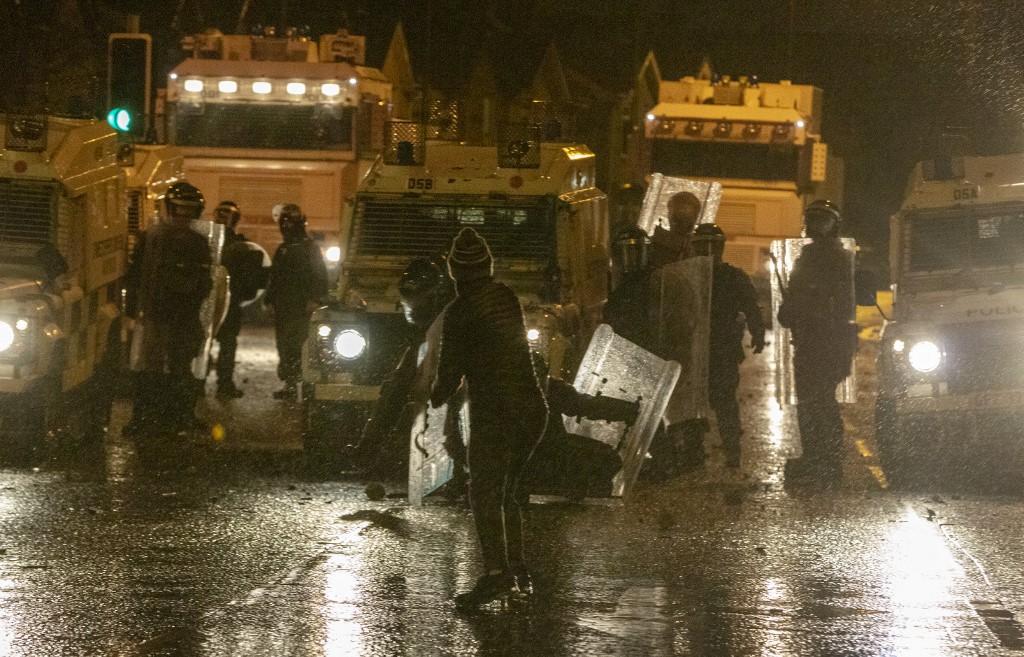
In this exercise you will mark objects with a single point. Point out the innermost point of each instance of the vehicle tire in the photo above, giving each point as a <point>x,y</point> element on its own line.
<point>894,453</point>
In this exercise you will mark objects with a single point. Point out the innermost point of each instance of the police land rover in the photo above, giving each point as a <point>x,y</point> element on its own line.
<point>62,257</point>
<point>951,377</point>
<point>537,206</point>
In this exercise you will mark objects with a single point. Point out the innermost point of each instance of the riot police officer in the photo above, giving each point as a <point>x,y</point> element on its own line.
<point>484,340</point>
<point>733,308</point>
<point>167,281</point>
<point>425,288</point>
<point>626,310</point>
<point>245,267</point>
<point>818,308</point>
<point>297,287</point>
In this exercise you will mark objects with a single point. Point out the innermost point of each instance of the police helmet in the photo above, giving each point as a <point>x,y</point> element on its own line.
<point>821,219</point>
<point>185,195</point>
<point>708,233</point>
<point>823,206</point>
<point>631,250</point>
<point>291,213</point>
<point>228,210</point>
<point>708,239</point>
<point>422,276</point>
<point>425,288</point>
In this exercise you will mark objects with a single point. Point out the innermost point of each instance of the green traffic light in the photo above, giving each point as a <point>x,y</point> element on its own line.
<point>120,119</point>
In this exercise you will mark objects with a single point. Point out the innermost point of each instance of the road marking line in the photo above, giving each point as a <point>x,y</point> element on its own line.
<point>997,618</point>
<point>875,470</point>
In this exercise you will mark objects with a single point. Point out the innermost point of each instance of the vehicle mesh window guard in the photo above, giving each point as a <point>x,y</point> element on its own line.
<point>947,243</point>
<point>263,125</point>
<point>404,144</point>
<point>409,228</point>
<point>27,210</point>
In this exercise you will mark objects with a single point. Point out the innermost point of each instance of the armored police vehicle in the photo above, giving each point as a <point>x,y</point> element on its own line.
<point>762,141</point>
<point>62,257</point>
<point>537,206</point>
<point>950,374</point>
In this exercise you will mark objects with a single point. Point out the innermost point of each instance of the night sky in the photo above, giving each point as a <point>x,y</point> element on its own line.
<point>894,73</point>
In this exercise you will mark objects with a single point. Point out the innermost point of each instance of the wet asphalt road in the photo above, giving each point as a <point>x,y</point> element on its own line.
<point>229,548</point>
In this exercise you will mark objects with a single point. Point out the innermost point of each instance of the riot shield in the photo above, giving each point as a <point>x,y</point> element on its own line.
<point>784,254</point>
<point>679,308</point>
<point>654,211</point>
<point>615,367</point>
<point>215,307</point>
<point>260,261</point>
<point>430,465</point>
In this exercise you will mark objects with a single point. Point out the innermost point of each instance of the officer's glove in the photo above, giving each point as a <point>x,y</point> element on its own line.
<point>612,410</point>
<point>758,344</point>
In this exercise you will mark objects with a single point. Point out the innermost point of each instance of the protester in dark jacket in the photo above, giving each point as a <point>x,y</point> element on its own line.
<point>484,342</point>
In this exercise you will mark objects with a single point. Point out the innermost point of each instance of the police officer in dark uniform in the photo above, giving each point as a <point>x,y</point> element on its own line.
<point>297,287</point>
<point>484,341</point>
<point>168,279</point>
<point>627,309</point>
<point>245,267</point>
<point>733,307</point>
<point>425,288</point>
<point>818,308</point>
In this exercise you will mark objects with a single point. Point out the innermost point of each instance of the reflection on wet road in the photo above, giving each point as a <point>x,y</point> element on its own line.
<point>228,548</point>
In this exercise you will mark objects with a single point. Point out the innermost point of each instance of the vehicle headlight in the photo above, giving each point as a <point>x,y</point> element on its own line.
<point>6,336</point>
<point>350,344</point>
<point>925,356</point>
<point>533,335</point>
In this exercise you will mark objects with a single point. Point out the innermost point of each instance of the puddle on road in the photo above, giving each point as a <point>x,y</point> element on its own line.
<point>640,618</point>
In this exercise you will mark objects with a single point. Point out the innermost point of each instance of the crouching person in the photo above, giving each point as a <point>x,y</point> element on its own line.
<point>484,341</point>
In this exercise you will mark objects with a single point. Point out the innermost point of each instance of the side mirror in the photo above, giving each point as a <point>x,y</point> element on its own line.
<point>865,287</point>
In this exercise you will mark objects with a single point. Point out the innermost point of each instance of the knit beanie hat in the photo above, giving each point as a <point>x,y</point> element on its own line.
<point>470,257</point>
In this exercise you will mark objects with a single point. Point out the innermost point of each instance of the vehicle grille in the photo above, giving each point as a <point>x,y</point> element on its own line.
<point>27,210</point>
<point>982,358</point>
<point>409,228</point>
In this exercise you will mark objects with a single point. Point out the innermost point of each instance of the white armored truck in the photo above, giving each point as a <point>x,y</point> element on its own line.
<point>62,257</point>
<point>950,374</point>
<point>537,206</point>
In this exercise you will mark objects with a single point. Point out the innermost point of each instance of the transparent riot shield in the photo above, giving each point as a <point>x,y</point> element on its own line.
<point>654,211</point>
<point>430,465</point>
<point>615,367</point>
<point>215,307</point>
<point>680,316</point>
<point>784,254</point>
<point>260,260</point>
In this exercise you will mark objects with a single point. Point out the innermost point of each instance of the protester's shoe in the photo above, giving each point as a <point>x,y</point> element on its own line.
<point>488,588</point>
<point>229,391</point>
<point>289,393</point>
